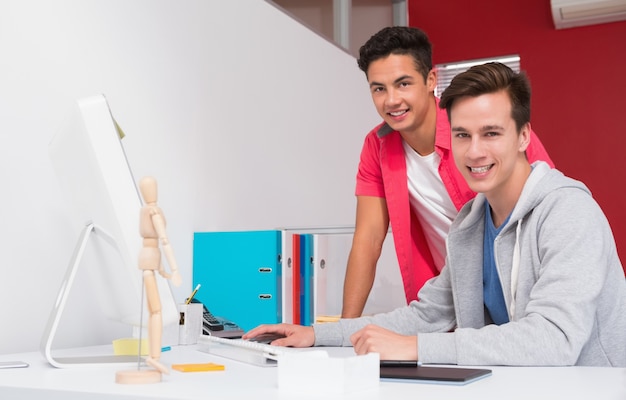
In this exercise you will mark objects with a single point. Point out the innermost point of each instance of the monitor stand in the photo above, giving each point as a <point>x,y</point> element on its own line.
<point>55,316</point>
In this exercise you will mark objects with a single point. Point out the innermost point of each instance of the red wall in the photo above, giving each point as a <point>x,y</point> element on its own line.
<point>578,76</point>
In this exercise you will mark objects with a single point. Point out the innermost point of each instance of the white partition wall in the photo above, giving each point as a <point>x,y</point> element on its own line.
<point>247,119</point>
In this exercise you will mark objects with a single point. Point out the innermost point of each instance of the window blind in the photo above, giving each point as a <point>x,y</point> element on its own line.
<point>445,72</point>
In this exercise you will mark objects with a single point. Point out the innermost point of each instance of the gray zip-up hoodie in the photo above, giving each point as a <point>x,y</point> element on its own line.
<point>562,280</point>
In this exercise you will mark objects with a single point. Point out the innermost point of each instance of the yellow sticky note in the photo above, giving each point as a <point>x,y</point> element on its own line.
<point>327,318</point>
<point>198,367</point>
<point>129,347</point>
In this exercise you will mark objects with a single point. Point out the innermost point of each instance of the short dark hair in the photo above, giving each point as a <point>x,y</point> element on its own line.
<point>399,40</point>
<point>490,78</point>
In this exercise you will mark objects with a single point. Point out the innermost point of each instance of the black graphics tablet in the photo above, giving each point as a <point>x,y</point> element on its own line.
<point>439,375</point>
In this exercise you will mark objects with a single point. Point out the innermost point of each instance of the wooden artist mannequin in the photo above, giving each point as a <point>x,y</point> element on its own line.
<point>152,229</point>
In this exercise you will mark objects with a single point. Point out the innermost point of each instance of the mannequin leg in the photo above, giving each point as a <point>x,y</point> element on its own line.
<point>155,321</point>
<point>155,325</point>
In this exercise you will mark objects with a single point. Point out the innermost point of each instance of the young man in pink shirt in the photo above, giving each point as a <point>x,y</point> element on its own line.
<point>406,175</point>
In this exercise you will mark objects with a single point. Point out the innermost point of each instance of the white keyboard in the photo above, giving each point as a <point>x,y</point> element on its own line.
<point>242,350</point>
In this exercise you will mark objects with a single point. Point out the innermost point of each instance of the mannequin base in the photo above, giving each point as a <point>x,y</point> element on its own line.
<point>133,377</point>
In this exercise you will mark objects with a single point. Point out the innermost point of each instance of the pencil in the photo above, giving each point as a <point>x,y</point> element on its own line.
<point>193,294</point>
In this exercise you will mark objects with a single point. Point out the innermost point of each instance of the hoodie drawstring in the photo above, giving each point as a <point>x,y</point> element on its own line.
<point>515,269</point>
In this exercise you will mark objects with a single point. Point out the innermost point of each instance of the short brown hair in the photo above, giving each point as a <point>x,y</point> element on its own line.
<point>490,78</point>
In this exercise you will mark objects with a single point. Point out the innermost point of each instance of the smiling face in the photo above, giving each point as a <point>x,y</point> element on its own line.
<point>399,92</point>
<point>488,149</point>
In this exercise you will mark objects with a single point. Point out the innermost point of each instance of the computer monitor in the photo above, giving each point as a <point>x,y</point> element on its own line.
<point>103,278</point>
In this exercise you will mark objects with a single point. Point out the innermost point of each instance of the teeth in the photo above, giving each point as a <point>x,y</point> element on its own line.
<point>397,113</point>
<point>480,170</point>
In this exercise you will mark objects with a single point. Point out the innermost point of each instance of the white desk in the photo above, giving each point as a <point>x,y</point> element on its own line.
<point>243,381</point>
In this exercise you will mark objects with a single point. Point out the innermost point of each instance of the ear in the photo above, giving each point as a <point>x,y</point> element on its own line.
<point>524,137</point>
<point>431,80</point>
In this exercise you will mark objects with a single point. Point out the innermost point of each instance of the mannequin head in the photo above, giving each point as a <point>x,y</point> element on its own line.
<point>148,189</point>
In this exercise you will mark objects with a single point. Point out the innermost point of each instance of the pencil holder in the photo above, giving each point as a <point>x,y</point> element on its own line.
<point>190,323</point>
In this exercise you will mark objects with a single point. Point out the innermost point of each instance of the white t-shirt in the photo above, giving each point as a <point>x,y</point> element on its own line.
<point>430,200</point>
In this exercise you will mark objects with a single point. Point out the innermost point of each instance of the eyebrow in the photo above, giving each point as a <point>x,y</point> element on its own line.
<point>492,128</point>
<point>397,80</point>
<point>484,128</point>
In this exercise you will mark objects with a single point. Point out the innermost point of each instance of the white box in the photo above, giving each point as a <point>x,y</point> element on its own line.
<point>314,372</point>
<point>190,324</point>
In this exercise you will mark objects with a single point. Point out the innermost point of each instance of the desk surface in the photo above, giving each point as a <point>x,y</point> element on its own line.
<point>240,381</point>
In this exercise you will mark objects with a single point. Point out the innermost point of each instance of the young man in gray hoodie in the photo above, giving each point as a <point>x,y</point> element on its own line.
<point>532,275</point>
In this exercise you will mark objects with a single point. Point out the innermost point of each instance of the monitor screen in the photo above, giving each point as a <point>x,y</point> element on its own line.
<point>98,185</point>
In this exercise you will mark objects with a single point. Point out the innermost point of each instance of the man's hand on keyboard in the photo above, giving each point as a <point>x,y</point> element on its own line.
<point>294,335</point>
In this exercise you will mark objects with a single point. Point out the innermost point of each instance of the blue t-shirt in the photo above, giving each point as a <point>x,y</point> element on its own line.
<point>492,289</point>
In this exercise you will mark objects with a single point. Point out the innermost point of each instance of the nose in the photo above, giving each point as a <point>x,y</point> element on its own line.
<point>392,98</point>
<point>475,149</point>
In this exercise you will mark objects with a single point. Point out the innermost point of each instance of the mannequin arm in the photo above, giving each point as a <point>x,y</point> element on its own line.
<point>159,225</point>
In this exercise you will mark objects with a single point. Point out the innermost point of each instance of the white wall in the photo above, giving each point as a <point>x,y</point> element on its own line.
<point>248,121</point>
